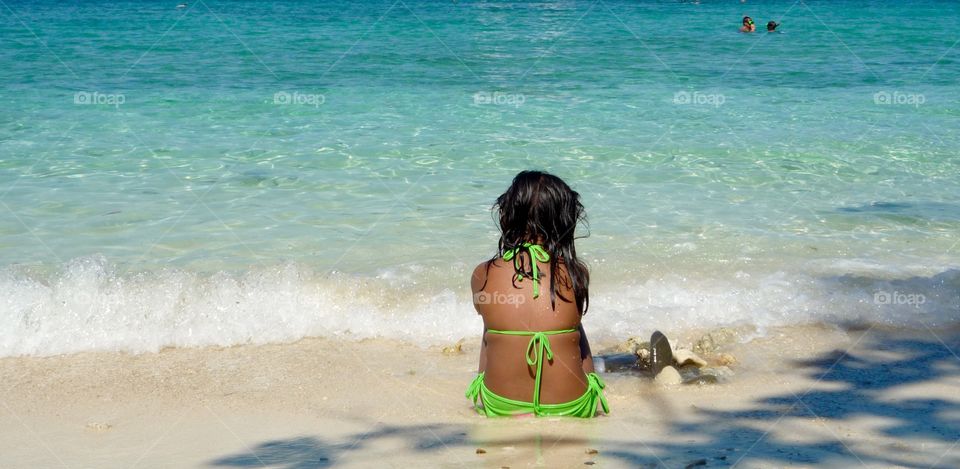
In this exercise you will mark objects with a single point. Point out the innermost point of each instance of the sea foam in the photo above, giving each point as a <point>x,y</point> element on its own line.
<point>89,304</point>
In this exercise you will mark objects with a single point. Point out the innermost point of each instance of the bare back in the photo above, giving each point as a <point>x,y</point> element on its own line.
<point>508,305</point>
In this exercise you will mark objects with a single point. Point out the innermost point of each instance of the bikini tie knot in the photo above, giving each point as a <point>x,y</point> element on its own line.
<point>535,354</point>
<point>537,254</point>
<point>539,347</point>
<point>596,385</point>
<point>473,391</point>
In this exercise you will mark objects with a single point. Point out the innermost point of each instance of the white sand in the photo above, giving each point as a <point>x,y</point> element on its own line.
<point>894,401</point>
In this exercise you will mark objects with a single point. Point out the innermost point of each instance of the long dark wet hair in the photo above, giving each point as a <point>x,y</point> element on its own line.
<point>540,207</point>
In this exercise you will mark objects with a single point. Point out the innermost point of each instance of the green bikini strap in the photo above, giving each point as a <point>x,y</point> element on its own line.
<point>537,348</point>
<point>537,253</point>
<point>537,360</point>
<point>596,385</point>
<point>473,391</point>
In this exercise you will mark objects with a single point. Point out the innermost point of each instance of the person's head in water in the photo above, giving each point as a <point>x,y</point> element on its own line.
<point>539,208</point>
<point>748,26</point>
<point>772,26</point>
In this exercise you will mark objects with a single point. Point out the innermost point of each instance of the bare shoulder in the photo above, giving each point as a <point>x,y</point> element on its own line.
<point>479,276</point>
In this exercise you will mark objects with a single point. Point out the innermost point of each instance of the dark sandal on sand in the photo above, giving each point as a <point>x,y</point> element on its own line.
<point>661,355</point>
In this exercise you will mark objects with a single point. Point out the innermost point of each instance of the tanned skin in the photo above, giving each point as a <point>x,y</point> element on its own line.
<point>508,305</point>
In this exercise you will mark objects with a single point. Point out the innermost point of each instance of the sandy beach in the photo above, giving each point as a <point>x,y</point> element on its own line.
<point>799,397</point>
<point>240,234</point>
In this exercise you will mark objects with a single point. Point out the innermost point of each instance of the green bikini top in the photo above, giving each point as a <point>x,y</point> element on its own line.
<point>539,345</point>
<point>537,254</point>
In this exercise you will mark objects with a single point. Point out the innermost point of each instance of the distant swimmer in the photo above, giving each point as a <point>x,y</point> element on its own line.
<point>772,26</point>
<point>181,5</point>
<point>748,26</point>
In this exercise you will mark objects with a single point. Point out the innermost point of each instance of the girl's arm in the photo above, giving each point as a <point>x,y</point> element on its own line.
<point>483,352</point>
<point>477,280</point>
<point>585,355</point>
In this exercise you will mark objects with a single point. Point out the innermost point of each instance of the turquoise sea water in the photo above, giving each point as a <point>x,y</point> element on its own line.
<point>237,171</point>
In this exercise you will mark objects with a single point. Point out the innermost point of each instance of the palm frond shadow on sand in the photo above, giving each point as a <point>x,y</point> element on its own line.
<point>861,384</point>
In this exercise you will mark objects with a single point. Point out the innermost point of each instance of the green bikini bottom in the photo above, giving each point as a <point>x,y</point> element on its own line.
<point>494,405</point>
<point>538,351</point>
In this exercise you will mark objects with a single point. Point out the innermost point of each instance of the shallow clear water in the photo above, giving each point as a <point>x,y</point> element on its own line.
<point>203,175</point>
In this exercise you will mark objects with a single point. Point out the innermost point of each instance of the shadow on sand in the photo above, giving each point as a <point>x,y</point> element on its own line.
<point>860,379</point>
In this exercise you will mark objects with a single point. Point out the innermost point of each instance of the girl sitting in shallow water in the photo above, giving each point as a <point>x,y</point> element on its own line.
<point>535,358</point>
